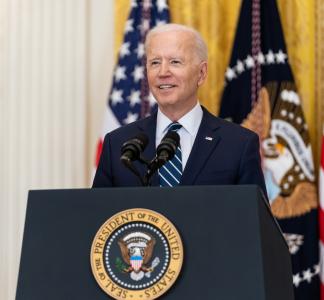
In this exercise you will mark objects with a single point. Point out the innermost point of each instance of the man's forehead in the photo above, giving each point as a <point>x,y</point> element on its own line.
<point>168,52</point>
<point>172,34</point>
<point>169,44</point>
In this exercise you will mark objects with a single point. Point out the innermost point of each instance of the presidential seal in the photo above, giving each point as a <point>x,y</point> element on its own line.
<point>136,254</point>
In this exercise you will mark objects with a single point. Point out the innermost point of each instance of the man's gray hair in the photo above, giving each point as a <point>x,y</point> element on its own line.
<point>200,45</point>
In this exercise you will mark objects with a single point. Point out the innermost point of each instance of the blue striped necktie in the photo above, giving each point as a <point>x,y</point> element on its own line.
<point>170,173</point>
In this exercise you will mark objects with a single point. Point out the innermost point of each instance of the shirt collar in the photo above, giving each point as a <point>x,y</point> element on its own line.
<point>190,121</point>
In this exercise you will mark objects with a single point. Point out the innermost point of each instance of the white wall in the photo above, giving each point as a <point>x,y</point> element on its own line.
<point>56,60</point>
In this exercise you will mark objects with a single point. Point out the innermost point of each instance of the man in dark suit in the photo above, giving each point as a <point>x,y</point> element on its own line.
<point>213,151</point>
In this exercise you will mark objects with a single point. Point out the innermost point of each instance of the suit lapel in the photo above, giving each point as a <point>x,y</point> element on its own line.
<point>148,126</point>
<point>205,142</point>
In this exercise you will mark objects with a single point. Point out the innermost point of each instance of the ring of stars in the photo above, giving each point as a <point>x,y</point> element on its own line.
<point>137,226</point>
<point>251,62</point>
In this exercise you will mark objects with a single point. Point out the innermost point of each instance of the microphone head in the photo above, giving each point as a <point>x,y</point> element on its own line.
<point>141,140</point>
<point>168,146</point>
<point>132,148</point>
<point>174,136</point>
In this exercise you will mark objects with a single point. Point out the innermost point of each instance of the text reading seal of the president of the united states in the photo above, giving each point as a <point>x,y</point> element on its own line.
<point>136,254</point>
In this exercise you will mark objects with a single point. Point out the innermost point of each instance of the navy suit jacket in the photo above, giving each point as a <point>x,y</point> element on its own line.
<point>230,155</point>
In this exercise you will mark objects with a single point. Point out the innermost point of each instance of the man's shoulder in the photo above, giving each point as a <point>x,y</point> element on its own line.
<point>227,127</point>
<point>132,128</point>
<point>236,128</point>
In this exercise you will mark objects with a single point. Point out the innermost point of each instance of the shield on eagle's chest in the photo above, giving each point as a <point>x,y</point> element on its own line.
<point>136,262</point>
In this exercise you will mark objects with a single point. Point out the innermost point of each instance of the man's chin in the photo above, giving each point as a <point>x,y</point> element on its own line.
<point>166,100</point>
<point>168,104</point>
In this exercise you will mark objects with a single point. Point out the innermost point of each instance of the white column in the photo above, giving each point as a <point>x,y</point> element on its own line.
<point>54,78</point>
<point>101,64</point>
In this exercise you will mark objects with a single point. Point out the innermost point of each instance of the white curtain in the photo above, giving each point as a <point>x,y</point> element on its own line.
<point>56,60</point>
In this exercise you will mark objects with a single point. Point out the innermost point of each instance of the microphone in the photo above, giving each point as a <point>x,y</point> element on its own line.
<point>164,152</point>
<point>167,148</point>
<point>132,149</point>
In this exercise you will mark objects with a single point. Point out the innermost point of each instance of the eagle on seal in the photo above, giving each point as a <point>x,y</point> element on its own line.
<point>137,249</point>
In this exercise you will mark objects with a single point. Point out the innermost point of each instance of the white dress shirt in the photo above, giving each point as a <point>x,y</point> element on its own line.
<point>190,124</point>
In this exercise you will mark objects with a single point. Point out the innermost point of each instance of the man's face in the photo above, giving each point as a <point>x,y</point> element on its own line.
<point>174,70</point>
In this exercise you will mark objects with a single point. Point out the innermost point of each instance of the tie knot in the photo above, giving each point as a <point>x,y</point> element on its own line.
<point>175,126</point>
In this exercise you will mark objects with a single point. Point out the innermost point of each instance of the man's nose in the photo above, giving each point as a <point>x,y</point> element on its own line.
<point>164,69</point>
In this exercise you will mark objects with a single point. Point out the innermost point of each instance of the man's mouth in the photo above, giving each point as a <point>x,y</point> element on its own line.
<point>165,86</point>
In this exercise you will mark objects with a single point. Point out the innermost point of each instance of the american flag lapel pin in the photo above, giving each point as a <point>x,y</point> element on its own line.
<point>208,138</point>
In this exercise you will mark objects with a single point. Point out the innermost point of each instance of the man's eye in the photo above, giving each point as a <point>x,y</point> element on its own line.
<point>155,62</point>
<point>175,62</point>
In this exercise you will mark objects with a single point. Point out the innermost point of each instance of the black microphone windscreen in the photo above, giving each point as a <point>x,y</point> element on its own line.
<point>173,136</point>
<point>132,148</point>
<point>142,137</point>
<point>169,143</point>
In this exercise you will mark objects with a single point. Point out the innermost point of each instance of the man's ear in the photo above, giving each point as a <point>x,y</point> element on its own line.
<point>202,73</point>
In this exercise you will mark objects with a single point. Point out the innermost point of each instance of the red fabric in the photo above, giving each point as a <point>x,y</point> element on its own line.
<point>99,149</point>
<point>321,223</point>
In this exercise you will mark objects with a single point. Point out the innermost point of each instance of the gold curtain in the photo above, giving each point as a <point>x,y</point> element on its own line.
<point>216,20</point>
<point>319,74</point>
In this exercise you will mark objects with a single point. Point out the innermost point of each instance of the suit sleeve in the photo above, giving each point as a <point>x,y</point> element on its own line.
<point>103,177</point>
<point>250,171</point>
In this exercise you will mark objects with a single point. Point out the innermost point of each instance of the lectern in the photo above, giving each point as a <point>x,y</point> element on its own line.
<point>233,247</point>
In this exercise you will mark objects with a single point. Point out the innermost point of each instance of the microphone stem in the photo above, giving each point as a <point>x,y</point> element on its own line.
<point>151,169</point>
<point>153,166</point>
<point>129,165</point>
